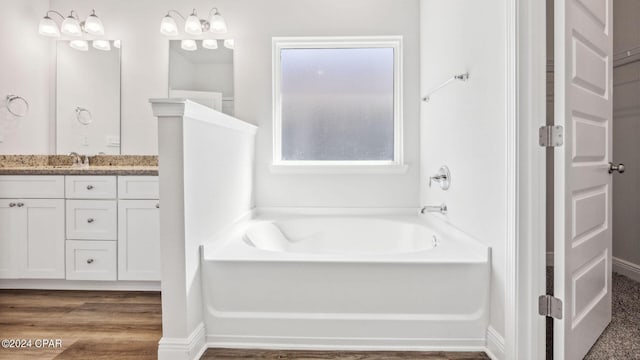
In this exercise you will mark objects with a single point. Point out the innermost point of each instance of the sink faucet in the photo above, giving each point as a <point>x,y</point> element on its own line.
<point>77,159</point>
<point>442,209</point>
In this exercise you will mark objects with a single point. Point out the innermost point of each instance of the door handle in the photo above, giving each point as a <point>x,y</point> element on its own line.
<point>613,167</point>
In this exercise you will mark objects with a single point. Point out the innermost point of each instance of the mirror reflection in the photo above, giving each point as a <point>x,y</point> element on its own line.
<point>202,71</point>
<point>88,97</point>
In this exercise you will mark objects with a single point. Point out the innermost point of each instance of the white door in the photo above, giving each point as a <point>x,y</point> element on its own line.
<point>583,106</point>
<point>138,240</point>
<point>40,246</point>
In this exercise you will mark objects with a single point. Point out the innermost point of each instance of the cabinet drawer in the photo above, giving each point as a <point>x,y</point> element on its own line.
<point>91,260</point>
<point>90,187</point>
<point>92,220</point>
<point>138,187</point>
<point>31,187</point>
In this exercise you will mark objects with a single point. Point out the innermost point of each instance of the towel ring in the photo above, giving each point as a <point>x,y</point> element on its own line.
<point>10,99</point>
<point>83,119</point>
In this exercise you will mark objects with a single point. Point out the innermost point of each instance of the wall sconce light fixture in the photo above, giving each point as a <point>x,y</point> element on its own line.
<point>71,25</point>
<point>193,25</point>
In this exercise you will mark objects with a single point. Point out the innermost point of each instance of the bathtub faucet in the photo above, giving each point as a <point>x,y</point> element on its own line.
<point>442,209</point>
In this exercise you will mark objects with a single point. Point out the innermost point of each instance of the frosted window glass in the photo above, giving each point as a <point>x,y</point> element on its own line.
<point>337,104</point>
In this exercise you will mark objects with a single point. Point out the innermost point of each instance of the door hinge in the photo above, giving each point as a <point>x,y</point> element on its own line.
<point>551,135</point>
<point>550,306</point>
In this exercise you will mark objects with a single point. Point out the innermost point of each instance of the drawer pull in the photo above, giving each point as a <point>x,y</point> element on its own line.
<point>12,204</point>
<point>20,204</point>
<point>89,187</point>
<point>158,206</point>
<point>90,220</point>
<point>89,261</point>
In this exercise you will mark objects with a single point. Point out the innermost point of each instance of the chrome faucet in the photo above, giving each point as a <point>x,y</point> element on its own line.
<point>77,159</point>
<point>442,209</point>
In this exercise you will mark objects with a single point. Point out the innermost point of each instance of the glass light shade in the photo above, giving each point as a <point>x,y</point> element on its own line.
<point>229,44</point>
<point>168,26</point>
<point>102,45</point>
<point>116,44</point>
<point>81,45</point>
<point>93,25</point>
<point>192,25</point>
<point>217,25</point>
<point>48,27</point>
<point>71,26</point>
<point>211,44</point>
<point>189,45</point>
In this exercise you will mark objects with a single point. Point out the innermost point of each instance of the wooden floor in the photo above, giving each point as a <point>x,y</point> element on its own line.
<point>92,324</point>
<point>231,354</point>
<point>128,325</point>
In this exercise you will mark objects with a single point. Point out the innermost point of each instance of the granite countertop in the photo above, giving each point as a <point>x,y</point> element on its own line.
<point>62,165</point>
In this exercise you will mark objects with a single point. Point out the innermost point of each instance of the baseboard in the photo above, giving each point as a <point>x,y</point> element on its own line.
<point>495,344</point>
<point>343,344</point>
<point>550,258</point>
<point>190,348</point>
<point>58,284</point>
<point>626,268</point>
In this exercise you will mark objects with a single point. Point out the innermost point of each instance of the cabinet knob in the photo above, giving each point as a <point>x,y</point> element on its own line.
<point>89,187</point>
<point>89,261</point>
<point>90,220</point>
<point>12,204</point>
<point>158,206</point>
<point>20,204</point>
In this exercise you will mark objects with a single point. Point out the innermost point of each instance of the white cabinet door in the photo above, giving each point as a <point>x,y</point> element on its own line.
<point>32,238</point>
<point>41,241</point>
<point>138,240</point>
<point>10,222</point>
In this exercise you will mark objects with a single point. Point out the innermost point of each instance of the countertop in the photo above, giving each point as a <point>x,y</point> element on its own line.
<point>62,165</point>
<point>92,170</point>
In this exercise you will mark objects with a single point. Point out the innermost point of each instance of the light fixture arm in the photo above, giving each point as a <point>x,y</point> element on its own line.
<point>210,11</point>
<point>177,13</point>
<point>54,12</point>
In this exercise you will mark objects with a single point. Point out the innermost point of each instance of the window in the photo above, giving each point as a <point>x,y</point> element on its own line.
<point>337,102</point>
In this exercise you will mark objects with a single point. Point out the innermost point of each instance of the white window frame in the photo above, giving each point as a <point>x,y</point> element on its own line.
<point>339,166</point>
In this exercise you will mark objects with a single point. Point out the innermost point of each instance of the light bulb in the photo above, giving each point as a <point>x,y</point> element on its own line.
<point>168,26</point>
<point>192,25</point>
<point>211,44</point>
<point>48,27</point>
<point>93,25</point>
<point>71,26</point>
<point>217,25</point>
<point>189,45</point>
<point>116,44</point>
<point>229,44</point>
<point>81,45</point>
<point>102,45</point>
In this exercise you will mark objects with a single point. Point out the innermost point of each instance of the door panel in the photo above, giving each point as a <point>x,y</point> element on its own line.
<point>42,248</point>
<point>583,106</point>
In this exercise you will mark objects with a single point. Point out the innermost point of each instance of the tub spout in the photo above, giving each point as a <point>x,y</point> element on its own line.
<point>442,209</point>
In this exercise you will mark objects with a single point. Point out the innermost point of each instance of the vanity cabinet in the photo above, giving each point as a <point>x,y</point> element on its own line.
<point>97,228</point>
<point>32,227</point>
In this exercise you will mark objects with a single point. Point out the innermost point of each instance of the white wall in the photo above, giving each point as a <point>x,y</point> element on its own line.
<point>24,71</point>
<point>464,124</point>
<point>200,197</point>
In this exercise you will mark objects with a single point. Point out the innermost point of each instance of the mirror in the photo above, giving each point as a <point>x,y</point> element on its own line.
<point>205,74</point>
<point>88,97</point>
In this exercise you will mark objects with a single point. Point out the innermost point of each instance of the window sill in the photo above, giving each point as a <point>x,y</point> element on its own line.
<point>390,169</point>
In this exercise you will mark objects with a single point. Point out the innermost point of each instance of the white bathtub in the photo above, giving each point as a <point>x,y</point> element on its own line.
<point>346,282</point>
